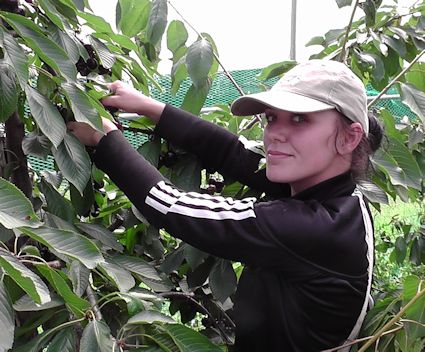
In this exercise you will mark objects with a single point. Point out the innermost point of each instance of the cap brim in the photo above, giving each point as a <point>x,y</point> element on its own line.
<point>257,103</point>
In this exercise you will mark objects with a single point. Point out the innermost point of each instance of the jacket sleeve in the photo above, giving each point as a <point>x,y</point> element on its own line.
<point>217,148</point>
<point>287,234</point>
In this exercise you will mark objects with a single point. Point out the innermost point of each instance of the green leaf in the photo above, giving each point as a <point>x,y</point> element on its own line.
<point>148,317</point>
<point>64,341</point>
<point>416,76</point>
<point>102,234</point>
<point>26,304</point>
<point>136,265</point>
<point>56,203</point>
<point>398,45</point>
<point>47,117</point>
<point>37,144</point>
<point>414,99</point>
<point>188,340</point>
<point>16,57</point>
<point>134,16</point>
<point>222,280</point>
<point>107,59</point>
<point>416,312</point>
<point>82,203</point>
<point>81,107</point>
<point>15,209</point>
<point>76,304</point>
<point>186,173</point>
<point>66,39</point>
<point>118,275</point>
<point>151,151</point>
<point>24,277</point>
<point>9,92</point>
<point>199,59</point>
<point>319,40</point>
<point>73,161</point>
<point>276,70</point>
<point>194,256</point>
<point>50,10</point>
<point>373,193</point>
<point>7,319</point>
<point>343,3</point>
<point>157,21</point>
<point>96,338</point>
<point>46,49</point>
<point>195,98</point>
<point>400,249</point>
<point>79,276</point>
<point>369,9</point>
<point>176,35</point>
<point>96,22</point>
<point>68,243</point>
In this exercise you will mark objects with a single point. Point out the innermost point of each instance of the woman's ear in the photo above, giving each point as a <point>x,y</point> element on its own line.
<point>349,138</point>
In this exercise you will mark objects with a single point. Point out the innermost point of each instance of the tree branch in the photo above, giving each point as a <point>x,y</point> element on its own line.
<point>343,54</point>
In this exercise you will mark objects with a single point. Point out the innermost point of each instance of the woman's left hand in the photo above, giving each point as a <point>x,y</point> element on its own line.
<point>87,134</point>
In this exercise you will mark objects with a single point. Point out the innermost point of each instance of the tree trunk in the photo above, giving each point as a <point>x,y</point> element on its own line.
<point>15,156</point>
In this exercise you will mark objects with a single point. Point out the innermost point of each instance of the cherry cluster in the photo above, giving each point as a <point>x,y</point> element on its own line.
<point>85,67</point>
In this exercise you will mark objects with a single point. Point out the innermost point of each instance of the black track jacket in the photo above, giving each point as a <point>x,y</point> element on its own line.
<point>308,258</point>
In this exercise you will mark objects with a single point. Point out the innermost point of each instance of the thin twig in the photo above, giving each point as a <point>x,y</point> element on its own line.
<point>395,79</point>
<point>362,339</point>
<point>93,302</point>
<point>343,55</point>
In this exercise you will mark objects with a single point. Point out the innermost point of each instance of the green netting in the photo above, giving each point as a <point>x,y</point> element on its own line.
<point>223,91</point>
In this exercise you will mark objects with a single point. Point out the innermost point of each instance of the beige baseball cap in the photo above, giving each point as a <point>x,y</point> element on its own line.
<point>315,85</point>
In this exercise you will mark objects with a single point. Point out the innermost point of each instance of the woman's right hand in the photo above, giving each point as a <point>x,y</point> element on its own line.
<point>129,99</point>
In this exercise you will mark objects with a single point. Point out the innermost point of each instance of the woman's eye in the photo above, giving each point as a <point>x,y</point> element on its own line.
<point>270,118</point>
<point>298,118</point>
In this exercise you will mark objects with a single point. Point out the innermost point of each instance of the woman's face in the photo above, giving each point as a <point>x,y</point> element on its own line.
<point>301,148</point>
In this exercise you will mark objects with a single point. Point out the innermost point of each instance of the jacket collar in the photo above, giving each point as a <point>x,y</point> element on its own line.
<point>338,186</point>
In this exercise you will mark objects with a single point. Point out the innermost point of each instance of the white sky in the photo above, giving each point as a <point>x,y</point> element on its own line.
<point>249,33</point>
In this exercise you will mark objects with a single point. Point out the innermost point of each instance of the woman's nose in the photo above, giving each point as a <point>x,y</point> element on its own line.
<point>277,133</point>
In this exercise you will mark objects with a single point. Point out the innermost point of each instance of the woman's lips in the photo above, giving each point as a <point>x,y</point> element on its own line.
<point>274,155</point>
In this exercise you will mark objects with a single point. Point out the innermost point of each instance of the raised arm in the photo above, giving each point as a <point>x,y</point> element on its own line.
<point>217,148</point>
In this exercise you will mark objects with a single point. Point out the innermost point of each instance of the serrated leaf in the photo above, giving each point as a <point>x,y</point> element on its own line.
<point>47,117</point>
<point>101,234</point>
<point>157,21</point>
<point>188,340</point>
<point>82,203</point>
<point>96,337</point>
<point>9,91</point>
<point>24,277</point>
<point>79,276</point>
<point>36,144</point>
<point>64,341</point>
<point>199,59</point>
<point>46,49</point>
<point>373,193</point>
<point>73,161</point>
<point>136,265</point>
<point>276,70</point>
<point>222,280</point>
<point>133,16</point>
<point>7,319</point>
<point>68,243</point>
<point>51,12</point>
<point>107,58</point>
<point>176,35</point>
<point>119,276</point>
<point>149,317</point>
<point>16,57</point>
<point>66,40</point>
<point>414,99</point>
<point>81,106</point>
<point>15,209</point>
<point>74,302</point>
<point>56,203</point>
<point>26,304</point>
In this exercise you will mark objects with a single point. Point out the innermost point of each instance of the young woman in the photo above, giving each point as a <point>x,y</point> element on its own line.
<point>308,252</point>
